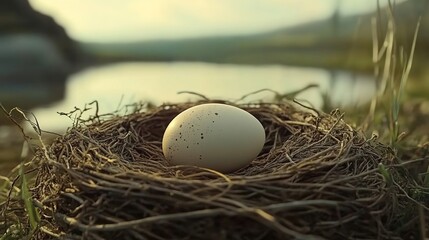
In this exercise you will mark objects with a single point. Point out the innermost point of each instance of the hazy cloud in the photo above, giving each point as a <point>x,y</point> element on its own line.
<point>119,20</point>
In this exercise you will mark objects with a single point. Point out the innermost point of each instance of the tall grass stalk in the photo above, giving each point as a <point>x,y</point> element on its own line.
<point>390,86</point>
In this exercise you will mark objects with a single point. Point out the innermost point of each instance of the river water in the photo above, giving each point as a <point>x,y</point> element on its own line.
<point>116,85</point>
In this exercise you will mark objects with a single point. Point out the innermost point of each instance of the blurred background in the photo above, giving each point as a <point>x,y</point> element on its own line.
<point>57,55</point>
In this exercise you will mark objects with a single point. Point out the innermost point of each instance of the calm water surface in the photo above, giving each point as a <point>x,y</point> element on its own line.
<point>119,84</point>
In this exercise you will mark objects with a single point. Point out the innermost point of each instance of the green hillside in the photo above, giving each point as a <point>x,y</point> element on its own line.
<point>337,42</point>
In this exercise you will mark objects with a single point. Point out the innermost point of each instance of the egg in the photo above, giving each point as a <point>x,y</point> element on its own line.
<point>215,136</point>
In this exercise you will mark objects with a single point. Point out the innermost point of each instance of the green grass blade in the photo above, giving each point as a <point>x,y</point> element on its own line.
<point>33,215</point>
<point>385,173</point>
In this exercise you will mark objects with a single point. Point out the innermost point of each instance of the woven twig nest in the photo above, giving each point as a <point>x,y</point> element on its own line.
<point>316,178</point>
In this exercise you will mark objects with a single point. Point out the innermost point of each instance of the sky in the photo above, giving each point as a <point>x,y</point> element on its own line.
<point>131,20</point>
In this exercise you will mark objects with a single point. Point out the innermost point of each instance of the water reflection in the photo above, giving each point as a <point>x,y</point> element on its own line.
<point>32,71</point>
<point>348,88</point>
<point>126,83</point>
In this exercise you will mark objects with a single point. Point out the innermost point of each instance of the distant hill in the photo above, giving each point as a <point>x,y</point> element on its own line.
<point>336,42</point>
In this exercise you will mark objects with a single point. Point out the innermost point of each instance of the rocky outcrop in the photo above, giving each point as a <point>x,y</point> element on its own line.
<point>17,16</point>
<point>36,56</point>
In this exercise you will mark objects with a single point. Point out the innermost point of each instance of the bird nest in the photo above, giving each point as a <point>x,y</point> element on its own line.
<point>316,178</point>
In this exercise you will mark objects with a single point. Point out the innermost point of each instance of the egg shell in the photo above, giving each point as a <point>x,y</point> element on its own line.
<point>215,136</point>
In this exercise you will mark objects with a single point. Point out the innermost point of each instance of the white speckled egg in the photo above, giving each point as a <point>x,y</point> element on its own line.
<point>216,136</point>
